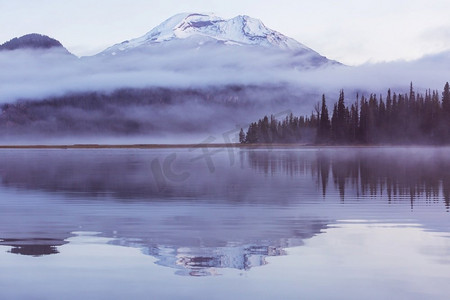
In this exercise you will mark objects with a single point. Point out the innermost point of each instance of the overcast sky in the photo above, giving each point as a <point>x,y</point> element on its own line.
<point>350,31</point>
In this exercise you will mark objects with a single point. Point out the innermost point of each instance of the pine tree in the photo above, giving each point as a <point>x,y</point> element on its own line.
<point>264,130</point>
<point>446,99</point>
<point>252,134</point>
<point>341,119</point>
<point>323,132</point>
<point>412,95</point>
<point>241,136</point>
<point>274,129</point>
<point>334,124</point>
<point>353,123</point>
<point>363,121</point>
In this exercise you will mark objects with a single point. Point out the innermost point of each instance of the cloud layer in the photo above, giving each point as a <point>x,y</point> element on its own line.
<point>37,74</point>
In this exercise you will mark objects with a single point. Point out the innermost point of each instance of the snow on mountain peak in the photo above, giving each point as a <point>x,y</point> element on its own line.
<point>240,30</point>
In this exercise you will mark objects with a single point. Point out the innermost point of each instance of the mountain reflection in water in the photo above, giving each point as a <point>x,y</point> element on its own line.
<point>34,246</point>
<point>233,215</point>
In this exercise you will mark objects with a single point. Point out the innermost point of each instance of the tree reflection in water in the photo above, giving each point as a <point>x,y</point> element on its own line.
<point>394,173</point>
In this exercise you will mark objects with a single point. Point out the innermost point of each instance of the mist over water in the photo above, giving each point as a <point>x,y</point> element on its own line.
<point>359,171</point>
<point>238,213</point>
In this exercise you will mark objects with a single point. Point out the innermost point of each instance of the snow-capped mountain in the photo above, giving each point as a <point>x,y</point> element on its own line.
<point>241,30</point>
<point>200,30</point>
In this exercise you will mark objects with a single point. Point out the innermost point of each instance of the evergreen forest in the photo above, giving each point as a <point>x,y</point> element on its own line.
<point>396,119</point>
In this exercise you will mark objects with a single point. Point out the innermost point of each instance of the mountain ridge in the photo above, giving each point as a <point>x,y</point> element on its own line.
<point>237,38</point>
<point>33,41</point>
<point>195,30</point>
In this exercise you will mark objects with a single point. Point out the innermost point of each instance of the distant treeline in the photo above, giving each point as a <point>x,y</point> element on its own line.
<point>399,119</point>
<point>270,130</point>
<point>122,112</point>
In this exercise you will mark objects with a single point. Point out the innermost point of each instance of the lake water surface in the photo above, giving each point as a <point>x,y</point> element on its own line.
<point>217,223</point>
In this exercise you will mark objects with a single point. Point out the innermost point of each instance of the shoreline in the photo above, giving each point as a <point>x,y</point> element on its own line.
<point>212,145</point>
<point>153,146</point>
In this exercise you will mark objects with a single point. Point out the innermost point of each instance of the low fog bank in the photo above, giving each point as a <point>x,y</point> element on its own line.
<point>130,116</point>
<point>203,92</point>
<point>37,75</point>
<point>430,72</point>
<point>40,74</point>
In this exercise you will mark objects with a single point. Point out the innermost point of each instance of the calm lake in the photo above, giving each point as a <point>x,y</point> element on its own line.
<point>217,223</point>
